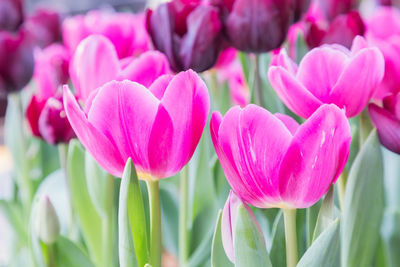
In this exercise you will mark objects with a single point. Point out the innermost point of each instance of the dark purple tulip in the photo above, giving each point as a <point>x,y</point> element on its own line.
<point>188,32</point>
<point>386,119</point>
<point>256,25</point>
<point>301,7</point>
<point>342,30</point>
<point>16,61</point>
<point>389,2</point>
<point>33,112</point>
<point>333,8</point>
<point>11,15</point>
<point>44,27</point>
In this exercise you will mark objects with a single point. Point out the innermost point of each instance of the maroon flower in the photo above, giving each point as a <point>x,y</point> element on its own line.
<point>11,15</point>
<point>333,8</point>
<point>301,7</point>
<point>188,32</point>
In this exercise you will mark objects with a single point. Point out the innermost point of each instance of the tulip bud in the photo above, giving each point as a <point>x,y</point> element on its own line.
<point>11,14</point>
<point>47,225</point>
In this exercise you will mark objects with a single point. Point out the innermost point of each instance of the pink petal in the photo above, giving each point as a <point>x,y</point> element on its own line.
<point>320,70</point>
<point>388,127</point>
<point>288,121</point>
<point>99,146</point>
<point>146,68</point>
<point>125,112</point>
<point>392,104</point>
<point>355,87</point>
<point>293,94</point>
<point>315,158</point>
<point>281,58</point>
<point>95,62</point>
<point>159,86</point>
<point>255,151</point>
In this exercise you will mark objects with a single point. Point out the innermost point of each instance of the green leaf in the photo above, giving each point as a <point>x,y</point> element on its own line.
<point>363,207</point>
<point>391,235</point>
<point>169,216</point>
<point>325,249</point>
<point>218,256</point>
<point>69,255</point>
<point>202,252</point>
<point>249,244</point>
<point>89,219</point>
<point>311,217</point>
<point>245,61</point>
<point>326,213</point>
<point>278,242</point>
<point>131,202</point>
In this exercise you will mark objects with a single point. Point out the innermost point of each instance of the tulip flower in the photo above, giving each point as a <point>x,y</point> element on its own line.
<point>272,161</point>
<point>333,8</point>
<point>228,221</point>
<point>16,61</point>
<point>256,25</point>
<point>11,15</point>
<point>96,62</point>
<point>383,31</point>
<point>159,127</point>
<point>188,32</point>
<point>126,31</point>
<point>386,119</point>
<point>326,75</point>
<point>301,6</point>
<point>47,225</point>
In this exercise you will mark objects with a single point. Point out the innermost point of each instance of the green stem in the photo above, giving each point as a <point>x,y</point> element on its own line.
<point>155,223</point>
<point>51,259</point>
<point>289,216</point>
<point>342,181</point>
<point>365,126</point>
<point>183,215</point>
<point>258,95</point>
<point>107,222</point>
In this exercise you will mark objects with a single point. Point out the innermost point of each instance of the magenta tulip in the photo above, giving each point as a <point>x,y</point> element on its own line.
<point>386,119</point>
<point>96,62</point>
<point>228,222</point>
<point>188,32</point>
<point>159,127</point>
<point>256,25</point>
<point>11,15</point>
<point>327,74</point>
<point>272,161</point>
<point>126,31</point>
<point>333,8</point>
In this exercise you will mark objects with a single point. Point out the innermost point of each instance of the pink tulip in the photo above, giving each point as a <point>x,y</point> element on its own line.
<point>383,31</point>
<point>272,161</point>
<point>159,127</point>
<point>328,74</point>
<point>386,119</point>
<point>96,62</point>
<point>228,222</point>
<point>126,31</point>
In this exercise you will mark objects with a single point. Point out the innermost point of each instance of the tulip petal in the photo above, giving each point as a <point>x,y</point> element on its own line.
<point>388,127</point>
<point>355,95</point>
<point>146,68</point>
<point>159,86</point>
<point>94,63</point>
<point>246,140</point>
<point>99,146</point>
<point>315,158</point>
<point>293,94</point>
<point>125,112</point>
<point>289,122</point>
<point>228,224</point>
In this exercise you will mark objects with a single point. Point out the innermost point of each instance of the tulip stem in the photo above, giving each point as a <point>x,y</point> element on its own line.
<point>258,95</point>
<point>155,223</point>
<point>183,215</point>
<point>289,216</point>
<point>51,259</point>
<point>342,181</point>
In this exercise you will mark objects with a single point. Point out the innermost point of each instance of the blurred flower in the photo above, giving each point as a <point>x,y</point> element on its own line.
<point>301,6</point>
<point>272,161</point>
<point>96,62</point>
<point>44,27</point>
<point>386,119</point>
<point>47,225</point>
<point>256,25</point>
<point>383,31</point>
<point>11,15</point>
<point>188,32</point>
<point>228,222</point>
<point>389,2</point>
<point>159,127</point>
<point>327,74</point>
<point>16,61</point>
<point>126,31</point>
<point>333,8</point>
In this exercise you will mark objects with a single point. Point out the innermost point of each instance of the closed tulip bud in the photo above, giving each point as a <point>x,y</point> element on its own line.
<point>11,15</point>
<point>47,225</point>
<point>386,119</point>
<point>187,32</point>
<point>256,25</point>
<point>16,61</point>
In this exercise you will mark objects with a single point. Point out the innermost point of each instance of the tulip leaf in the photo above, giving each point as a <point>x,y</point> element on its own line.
<point>278,242</point>
<point>218,256</point>
<point>131,202</point>
<point>326,213</point>
<point>169,216</point>
<point>391,235</point>
<point>363,206</point>
<point>249,244</point>
<point>69,255</point>
<point>202,253</point>
<point>325,249</point>
<point>311,217</point>
<point>89,219</point>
